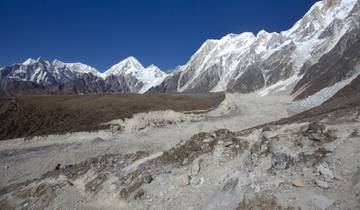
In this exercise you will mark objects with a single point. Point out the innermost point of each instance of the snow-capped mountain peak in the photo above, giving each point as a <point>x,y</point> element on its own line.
<point>249,62</point>
<point>29,61</point>
<point>132,70</point>
<point>127,66</point>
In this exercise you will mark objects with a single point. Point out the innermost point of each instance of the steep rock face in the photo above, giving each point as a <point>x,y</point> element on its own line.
<point>248,63</point>
<point>339,64</point>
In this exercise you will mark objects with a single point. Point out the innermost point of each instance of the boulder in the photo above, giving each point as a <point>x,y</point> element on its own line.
<point>298,182</point>
<point>325,171</point>
<point>314,136</point>
<point>148,179</point>
<point>280,160</point>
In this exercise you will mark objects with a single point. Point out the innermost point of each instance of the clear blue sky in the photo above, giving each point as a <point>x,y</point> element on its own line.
<point>100,33</point>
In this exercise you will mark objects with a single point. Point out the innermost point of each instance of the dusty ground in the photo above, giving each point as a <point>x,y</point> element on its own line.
<point>172,160</point>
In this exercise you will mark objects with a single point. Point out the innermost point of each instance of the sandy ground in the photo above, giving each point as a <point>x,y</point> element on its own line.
<point>22,160</point>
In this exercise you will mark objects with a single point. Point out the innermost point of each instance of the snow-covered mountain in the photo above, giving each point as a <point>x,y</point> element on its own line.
<point>294,61</point>
<point>127,76</point>
<point>132,72</point>
<point>269,61</point>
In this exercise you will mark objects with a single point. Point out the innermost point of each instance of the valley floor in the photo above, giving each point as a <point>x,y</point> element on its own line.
<point>188,160</point>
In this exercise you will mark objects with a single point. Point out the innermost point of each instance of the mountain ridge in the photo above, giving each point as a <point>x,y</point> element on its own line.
<point>268,62</point>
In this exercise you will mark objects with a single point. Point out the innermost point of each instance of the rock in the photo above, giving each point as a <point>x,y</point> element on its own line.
<point>325,171</point>
<point>185,161</point>
<point>315,128</point>
<point>196,167</point>
<point>139,194</point>
<point>321,201</point>
<point>322,184</point>
<point>280,160</point>
<point>230,185</point>
<point>7,167</point>
<point>148,179</point>
<point>197,181</point>
<point>299,182</point>
<point>57,167</point>
<point>355,133</point>
<point>183,181</point>
<point>98,140</point>
<point>208,140</point>
<point>268,135</point>
<point>227,143</point>
<point>314,136</point>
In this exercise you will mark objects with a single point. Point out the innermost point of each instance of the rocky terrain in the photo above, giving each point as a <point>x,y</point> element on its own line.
<point>213,160</point>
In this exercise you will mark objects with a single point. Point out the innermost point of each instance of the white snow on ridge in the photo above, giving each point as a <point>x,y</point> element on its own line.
<point>44,72</point>
<point>231,53</point>
<point>76,67</point>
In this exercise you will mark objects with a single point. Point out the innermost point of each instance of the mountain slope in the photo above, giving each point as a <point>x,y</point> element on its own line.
<point>272,61</point>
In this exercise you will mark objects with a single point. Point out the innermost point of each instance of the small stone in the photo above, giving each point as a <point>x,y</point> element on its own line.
<point>322,184</point>
<point>228,143</point>
<point>314,137</point>
<point>183,181</point>
<point>70,183</point>
<point>355,133</point>
<point>26,204</point>
<point>147,179</point>
<point>138,195</point>
<point>197,181</point>
<point>325,172</point>
<point>280,161</point>
<point>299,182</point>
<point>98,140</point>
<point>7,167</point>
<point>57,167</point>
<point>230,185</point>
<point>268,135</point>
